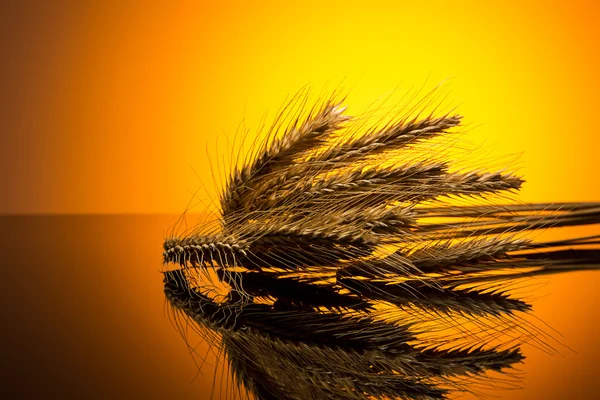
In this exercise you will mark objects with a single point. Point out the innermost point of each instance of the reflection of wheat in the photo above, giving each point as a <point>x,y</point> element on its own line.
<point>350,274</point>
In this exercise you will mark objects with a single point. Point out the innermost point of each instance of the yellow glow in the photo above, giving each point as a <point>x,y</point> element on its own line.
<point>124,100</point>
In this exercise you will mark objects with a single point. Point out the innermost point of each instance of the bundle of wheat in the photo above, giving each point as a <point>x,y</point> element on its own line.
<point>344,265</point>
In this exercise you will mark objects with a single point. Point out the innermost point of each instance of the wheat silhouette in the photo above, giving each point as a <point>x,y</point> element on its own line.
<point>353,261</point>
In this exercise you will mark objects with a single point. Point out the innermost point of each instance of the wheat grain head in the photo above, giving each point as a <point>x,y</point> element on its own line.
<point>352,270</point>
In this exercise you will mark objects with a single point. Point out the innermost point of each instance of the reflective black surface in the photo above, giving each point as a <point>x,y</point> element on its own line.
<point>85,317</point>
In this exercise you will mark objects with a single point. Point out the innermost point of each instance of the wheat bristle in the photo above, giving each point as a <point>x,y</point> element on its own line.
<point>361,262</point>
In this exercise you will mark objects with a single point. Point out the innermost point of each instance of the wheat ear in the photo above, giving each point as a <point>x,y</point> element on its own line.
<point>358,262</point>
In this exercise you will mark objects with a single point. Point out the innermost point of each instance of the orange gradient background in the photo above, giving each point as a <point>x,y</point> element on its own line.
<point>108,107</point>
<point>120,107</point>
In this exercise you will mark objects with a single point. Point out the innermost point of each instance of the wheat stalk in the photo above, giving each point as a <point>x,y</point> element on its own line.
<point>343,260</point>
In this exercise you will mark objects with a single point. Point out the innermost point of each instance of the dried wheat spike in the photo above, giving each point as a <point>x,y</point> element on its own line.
<point>358,262</point>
